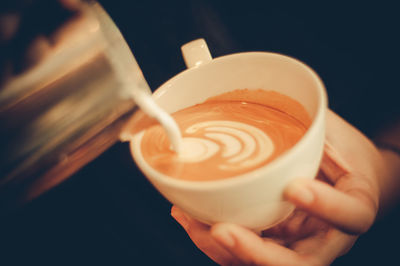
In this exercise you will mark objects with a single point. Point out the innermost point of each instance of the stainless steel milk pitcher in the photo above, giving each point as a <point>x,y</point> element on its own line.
<point>68,108</point>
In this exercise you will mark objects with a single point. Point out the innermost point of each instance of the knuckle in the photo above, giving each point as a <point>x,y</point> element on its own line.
<point>364,189</point>
<point>367,223</point>
<point>359,225</point>
<point>368,213</point>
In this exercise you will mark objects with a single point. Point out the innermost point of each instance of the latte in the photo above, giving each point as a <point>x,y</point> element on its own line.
<point>227,135</point>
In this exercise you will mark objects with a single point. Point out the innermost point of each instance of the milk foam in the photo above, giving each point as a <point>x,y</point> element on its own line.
<point>197,149</point>
<point>236,141</point>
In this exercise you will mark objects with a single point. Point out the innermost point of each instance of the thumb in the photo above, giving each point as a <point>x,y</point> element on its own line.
<point>345,211</point>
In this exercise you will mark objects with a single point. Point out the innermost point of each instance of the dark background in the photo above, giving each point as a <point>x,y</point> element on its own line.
<point>109,214</point>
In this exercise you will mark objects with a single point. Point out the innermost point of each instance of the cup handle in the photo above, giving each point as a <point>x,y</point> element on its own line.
<point>195,53</point>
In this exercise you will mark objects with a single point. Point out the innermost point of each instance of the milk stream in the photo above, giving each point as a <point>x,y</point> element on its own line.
<point>150,108</point>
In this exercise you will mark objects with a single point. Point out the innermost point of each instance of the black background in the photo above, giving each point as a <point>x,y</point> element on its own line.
<point>108,214</point>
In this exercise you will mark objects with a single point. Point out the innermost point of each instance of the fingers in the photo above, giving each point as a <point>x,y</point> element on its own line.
<point>346,212</point>
<point>229,244</point>
<point>250,249</point>
<point>335,244</point>
<point>324,247</point>
<point>199,233</point>
<point>350,149</point>
<point>299,225</point>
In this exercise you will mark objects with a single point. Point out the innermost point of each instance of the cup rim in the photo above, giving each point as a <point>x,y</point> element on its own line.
<point>197,185</point>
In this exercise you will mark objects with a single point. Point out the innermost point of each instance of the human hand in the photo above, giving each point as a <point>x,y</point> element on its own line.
<point>331,211</point>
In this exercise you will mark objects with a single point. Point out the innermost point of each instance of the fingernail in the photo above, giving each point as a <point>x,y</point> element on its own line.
<point>223,235</point>
<point>298,192</point>
<point>180,217</point>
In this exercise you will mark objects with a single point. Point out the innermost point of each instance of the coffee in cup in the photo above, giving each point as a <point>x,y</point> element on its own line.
<point>227,135</point>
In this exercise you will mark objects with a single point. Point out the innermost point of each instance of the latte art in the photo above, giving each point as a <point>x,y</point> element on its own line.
<point>241,145</point>
<point>224,137</point>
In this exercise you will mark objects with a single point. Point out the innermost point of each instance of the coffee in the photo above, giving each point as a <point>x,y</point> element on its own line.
<point>227,135</point>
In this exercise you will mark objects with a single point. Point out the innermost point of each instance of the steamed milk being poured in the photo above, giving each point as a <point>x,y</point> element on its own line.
<point>151,109</point>
<point>225,136</point>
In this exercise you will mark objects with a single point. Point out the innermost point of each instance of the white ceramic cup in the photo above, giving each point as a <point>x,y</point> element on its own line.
<point>254,199</point>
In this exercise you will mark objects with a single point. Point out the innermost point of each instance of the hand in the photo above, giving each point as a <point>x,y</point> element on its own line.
<point>331,211</point>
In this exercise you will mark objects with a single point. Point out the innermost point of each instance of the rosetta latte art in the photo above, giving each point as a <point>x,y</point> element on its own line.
<point>222,138</point>
<point>240,144</point>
